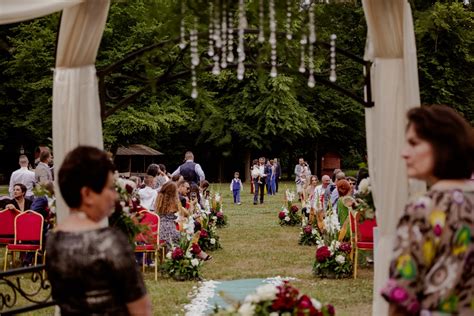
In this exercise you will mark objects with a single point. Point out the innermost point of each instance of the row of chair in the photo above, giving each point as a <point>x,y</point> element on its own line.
<point>362,236</point>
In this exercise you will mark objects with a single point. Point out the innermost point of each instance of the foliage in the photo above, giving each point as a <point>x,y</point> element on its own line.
<point>217,214</point>
<point>289,215</point>
<point>284,299</point>
<point>182,262</point>
<point>208,240</point>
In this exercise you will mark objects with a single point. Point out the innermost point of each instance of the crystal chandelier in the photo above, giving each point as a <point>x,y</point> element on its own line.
<point>226,41</point>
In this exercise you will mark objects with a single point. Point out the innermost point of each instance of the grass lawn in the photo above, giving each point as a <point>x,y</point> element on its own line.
<point>255,246</point>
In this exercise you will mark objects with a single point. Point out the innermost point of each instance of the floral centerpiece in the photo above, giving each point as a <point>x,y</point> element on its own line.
<point>289,215</point>
<point>182,262</point>
<point>284,299</point>
<point>208,239</point>
<point>217,212</point>
<point>308,235</point>
<point>364,201</point>
<point>333,256</point>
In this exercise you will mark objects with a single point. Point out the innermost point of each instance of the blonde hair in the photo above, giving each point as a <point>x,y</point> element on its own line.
<point>167,201</point>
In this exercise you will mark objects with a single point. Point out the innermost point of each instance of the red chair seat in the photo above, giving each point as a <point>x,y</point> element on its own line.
<point>23,247</point>
<point>365,245</point>
<point>7,240</point>
<point>147,247</point>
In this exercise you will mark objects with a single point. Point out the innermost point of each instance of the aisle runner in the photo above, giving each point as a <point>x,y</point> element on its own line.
<point>207,295</point>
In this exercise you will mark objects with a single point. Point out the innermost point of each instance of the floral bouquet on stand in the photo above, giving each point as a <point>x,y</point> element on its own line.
<point>289,215</point>
<point>308,235</point>
<point>284,299</point>
<point>333,257</point>
<point>216,211</point>
<point>364,201</point>
<point>182,262</point>
<point>208,239</point>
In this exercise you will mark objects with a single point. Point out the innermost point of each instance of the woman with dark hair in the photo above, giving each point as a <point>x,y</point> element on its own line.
<point>92,268</point>
<point>433,268</point>
<point>19,201</point>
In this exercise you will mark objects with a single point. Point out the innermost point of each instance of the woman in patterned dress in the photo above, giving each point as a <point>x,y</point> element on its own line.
<point>432,272</point>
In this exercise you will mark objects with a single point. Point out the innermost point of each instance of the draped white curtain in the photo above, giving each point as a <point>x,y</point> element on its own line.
<point>76,107</point>
<point>391,47</point>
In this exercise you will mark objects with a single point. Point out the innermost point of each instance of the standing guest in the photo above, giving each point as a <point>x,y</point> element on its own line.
<point>23,176</point>
<point>43,172</point>
<point>191,171</point>
<point>19,201</point>
<point>270,177</point>
<point>301,172</point>
<point>148,193</point>
<point>259,177</point>
<point>162,177</point>
<point>236,186</point>
<point>92,268</point>
<point>254,174</point>
<point>311,191</point>
<point>276,163</point>
<point>433,268</point>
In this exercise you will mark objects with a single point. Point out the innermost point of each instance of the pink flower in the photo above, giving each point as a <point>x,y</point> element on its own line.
<point>345,247</point>
<point>398,294</point>
<point>220,215</point>
<point>204,233</point>
<point>414,307</point>
<point>308,230</point>
<point>177,253</point>
<point>437,230</point>
<point>322,253</point>
<point>294,208</point>
<point>281,215</point>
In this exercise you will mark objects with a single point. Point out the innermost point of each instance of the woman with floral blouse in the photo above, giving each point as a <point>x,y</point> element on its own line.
<point>432,272</point>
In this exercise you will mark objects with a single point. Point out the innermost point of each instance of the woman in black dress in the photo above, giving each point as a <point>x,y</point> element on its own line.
<point>92,268</point>
<point>19,201</point>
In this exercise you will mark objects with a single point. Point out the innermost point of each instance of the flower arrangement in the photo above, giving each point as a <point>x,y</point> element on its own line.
<point>127,204</point>
<point>364,201</point>
<point>333,256</point>
<point>216,211</point>
<point>182,262</point>
<point>208,239</point>
<point>284,299</point>
<point>308,235</point>
<point>289,215</point>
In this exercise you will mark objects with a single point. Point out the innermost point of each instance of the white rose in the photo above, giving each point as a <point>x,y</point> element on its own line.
<point>212,241</point>
<point>364,186</point>
<point>194,262</point>
<point>247,309</point>
<point>340,259</point>
<point>317,304</point>
<point>314,231</point>
<point>214,218</point>
<point>168,255</point>
<point>287,218</point>
<point>189,254</point>
<point>267,292</point>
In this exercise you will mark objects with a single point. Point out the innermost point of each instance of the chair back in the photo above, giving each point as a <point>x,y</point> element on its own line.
<point>152,220</point>
<point>362,231</point>
<point>29,228</point>
<point>7,223</point>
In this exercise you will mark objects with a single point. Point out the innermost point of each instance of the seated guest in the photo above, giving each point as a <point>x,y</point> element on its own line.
<point>92,268</point>
<point>148,193</point>
<point>183,191</point>
<point>19,201</point>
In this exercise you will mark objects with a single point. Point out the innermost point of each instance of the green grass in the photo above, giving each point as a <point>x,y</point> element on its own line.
<point>255,246</point>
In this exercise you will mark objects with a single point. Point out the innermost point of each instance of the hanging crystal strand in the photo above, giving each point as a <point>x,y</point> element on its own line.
<point>224,36</point>
<point>261,36</point>
<point>332,73</point>
<point>216,70</point>
<point>311,41</point>
<point>194,58</point>
<point>230,39</point>
<point>273,40</point>
<point>210,51</point>
<point>240,46</point>
<point>303,42</point>
<point>182,43</point>
<point>289,34</point>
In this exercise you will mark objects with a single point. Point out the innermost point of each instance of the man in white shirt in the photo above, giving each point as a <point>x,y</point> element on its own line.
<point>148,194</point>
<point>23,176</point>
<point>191,171</point>
<point>321,190</point>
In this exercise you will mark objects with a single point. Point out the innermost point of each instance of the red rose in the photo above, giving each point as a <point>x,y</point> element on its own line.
<point>281,215</point>
<point>331,310</point>
<point>308,230</point>
<point>177,254</point>
<point>220,215</point>
<point>322,253</point>
<point>345,247</point>
<point>204,233</point>
<point>305,307</point>
<point>195,249</point>
<point>286,298</point>
<point>294,208</point>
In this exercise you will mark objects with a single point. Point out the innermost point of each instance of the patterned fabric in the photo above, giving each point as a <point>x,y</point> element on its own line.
<point>93,272</point>
<point>433,269</point>
<point>168,231</point>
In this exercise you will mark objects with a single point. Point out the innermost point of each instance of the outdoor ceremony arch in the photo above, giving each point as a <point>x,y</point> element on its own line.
<point>390,46</point>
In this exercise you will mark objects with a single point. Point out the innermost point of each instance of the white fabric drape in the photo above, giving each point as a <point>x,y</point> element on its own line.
<point>395,89</point>
<point>76,106</point>
<point>12,11</point>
